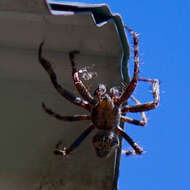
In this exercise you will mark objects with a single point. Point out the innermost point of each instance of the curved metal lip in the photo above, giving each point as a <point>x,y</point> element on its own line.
<point>101,15</point>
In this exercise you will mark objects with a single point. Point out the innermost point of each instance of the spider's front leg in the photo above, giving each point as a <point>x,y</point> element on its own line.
<point>75,144</point>
<point>136,147</point>
<point>149,105</point>
<point>83,91</point>
<point>65,93</point>
<point>133,83</point>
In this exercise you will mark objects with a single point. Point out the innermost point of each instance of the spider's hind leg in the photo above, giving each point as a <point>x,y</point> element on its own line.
<point>75,144</point>
<point>134,145</point>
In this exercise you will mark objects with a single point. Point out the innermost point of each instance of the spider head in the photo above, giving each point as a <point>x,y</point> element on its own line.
<point>105,142</point>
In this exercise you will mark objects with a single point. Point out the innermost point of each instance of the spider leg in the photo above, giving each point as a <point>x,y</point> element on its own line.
<point>83,91</point>
<point>142,122</point>
<point>134,121</point>
<point>149,105</point>
<point>65,118</point>
<point>75,144</point>
<point>133,83</point>
<point>65,93</point>
<point>134,145</point>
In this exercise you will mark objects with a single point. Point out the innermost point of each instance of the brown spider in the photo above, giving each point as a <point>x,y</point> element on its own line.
<point>105,109</point>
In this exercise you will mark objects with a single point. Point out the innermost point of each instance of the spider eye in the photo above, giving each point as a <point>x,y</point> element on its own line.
<point>105,142</point>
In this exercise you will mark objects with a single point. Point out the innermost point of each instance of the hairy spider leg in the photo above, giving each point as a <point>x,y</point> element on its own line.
<point>76,143</point>
<point>65,93</point>
<point>65,118</point>
<point>133,83</point>
<point>141,122</point>
<point>83,91</point>
<point>136,147</point>
<point>149,105</point>
<point>133,121</point>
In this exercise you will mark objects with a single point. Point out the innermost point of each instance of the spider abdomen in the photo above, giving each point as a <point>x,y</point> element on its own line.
<point>105,142</point>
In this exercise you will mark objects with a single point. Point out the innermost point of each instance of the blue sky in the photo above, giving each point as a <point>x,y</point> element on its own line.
<point>164,29</point>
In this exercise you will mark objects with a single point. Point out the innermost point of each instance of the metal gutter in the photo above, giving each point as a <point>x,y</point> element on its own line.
<point>28,135</point>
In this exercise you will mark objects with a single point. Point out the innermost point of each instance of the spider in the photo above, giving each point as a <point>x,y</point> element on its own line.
<point>105,109</point>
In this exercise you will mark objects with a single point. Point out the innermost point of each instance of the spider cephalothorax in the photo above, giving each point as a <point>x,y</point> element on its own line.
<point>106,110</point>
<point>105,114</point>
